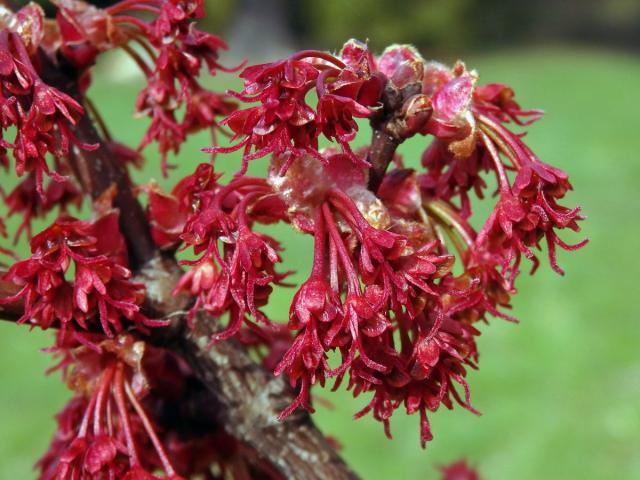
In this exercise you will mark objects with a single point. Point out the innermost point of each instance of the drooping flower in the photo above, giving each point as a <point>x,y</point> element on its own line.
<point>25,200</point>
<point>102,294</point>
<point>41,114</point>
<point>235,266</point>
<point>469,124</point>
<point>367,282</point>
<point>284,125</point>
<point>105,431</point>
<point>172,55</point>
<point>528,212</point>
<point>448,176</point>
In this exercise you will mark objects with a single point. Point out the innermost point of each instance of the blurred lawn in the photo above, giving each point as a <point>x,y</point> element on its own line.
<point>559,392</point>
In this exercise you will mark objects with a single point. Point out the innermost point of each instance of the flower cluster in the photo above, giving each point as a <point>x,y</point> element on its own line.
<point>128,419</point>
<point>41,114</point>
<point>169,50</point>
<point>373,274</point>
<point>468,122</point>
<point>104,431</point>
<point>382,299</point>
<point>235,267</point>
<point>102,293</point>
<point>400,279</point>
<point>348,86</point>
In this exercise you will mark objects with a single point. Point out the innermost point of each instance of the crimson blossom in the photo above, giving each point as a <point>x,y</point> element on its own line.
<point>152,306</point>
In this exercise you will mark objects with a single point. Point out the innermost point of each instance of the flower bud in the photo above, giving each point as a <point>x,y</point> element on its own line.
<point>416,112</point>
<point>402,64</point>
<point>355,53</point>
<point>435,76</point>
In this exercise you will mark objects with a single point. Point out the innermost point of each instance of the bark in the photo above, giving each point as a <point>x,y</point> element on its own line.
<point>251,399</point>
<point>98,170</point>
<point>387,126</point>
<point>383,147</point>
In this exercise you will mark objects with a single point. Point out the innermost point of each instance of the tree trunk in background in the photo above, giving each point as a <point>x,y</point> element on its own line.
<point>261,29</point>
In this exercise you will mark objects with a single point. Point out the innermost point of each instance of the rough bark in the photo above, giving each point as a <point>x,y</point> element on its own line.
<point>251,399</point>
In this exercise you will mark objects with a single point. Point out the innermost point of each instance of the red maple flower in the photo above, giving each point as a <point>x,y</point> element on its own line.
<point>25,200</point>
<point>448,176</point>
<point>284,124</point>
<point>174,51</point>
<point>401,277</point>
<point>236,265</point>
<point>105,431</point>
<point>102,293</point>
<point>41,114</point>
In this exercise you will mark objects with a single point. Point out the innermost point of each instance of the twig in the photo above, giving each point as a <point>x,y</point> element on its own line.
<point>389,131</point>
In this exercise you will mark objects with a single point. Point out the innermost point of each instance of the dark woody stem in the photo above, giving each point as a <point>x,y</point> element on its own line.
<point>387,125</point>
<point>98,171</point>
<point>383,147</point>
<point>250,399</point>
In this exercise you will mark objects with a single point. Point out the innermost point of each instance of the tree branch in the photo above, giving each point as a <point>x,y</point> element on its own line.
<point>390,129</point>
<point>383,147</point>
<point>251,399</point>
<point>100,169</point>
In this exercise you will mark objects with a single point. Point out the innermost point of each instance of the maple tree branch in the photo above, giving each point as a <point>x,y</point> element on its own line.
<point>389,130</point>
<point>100,169</point>
<point>383,147</point>
<point>251,399</point>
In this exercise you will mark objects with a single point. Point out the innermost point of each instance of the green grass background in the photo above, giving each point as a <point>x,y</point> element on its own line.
<point>559,393</point>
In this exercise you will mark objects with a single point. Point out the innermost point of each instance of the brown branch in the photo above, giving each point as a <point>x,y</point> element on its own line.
<point>251,399</point>
<point>389,130</point>
<point>383,147</point>
<point>100,169</point>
